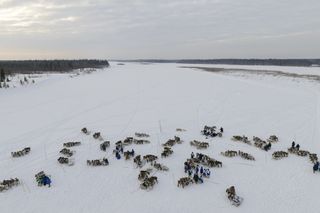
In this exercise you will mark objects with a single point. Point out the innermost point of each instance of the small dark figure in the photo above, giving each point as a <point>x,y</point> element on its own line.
<point>192,155</point>
<point>132,152</point>
<point>196,178</point>
<point>121,150</point>
<point>207,173</point>
<point>267,147</point>
<point>200,180</point>
<point>197,169</point>
<point>293,144</point>
<point>190,173</point>
<point>118,155</point>
<point>298,147</point>
<point>186,167</point>
<point>221,130</point>
<point>316,167</point>
<point>201,170</point>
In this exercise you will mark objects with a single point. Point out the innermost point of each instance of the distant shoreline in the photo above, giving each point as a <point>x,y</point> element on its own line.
<point>260,62</point>
<point>256,72</point>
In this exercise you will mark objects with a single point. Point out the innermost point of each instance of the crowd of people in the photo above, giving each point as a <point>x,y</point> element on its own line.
<point>197,172</point>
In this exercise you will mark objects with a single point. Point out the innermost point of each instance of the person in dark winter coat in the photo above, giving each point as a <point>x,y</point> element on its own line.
<point>121,149</point>
<point>118,155</point>
<point>195,178</point>
<point>267,147</point>
<point>293,144</point>
<point>132,152</point>
<point>316,167</point>
<point>197,169</point>
<point>192,155</point>
<point>190,173</point>
<point>200,179</point>
<point>201,170</point>
<point>221,130</point>
<point>208,173</point>
<point>186,167</point>
<point>298,147</point>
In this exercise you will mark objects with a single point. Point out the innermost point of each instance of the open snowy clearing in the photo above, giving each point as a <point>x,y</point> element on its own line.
<point>157,99</point>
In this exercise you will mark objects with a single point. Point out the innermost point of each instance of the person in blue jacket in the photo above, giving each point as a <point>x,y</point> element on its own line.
<point>316,167</point>
<point>46,181</point>
<point>118,155</point>
<point>201,170</point>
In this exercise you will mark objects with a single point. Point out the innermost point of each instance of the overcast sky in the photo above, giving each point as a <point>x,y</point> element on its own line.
<point>171,29</point>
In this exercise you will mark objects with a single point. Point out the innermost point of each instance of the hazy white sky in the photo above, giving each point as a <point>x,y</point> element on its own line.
<point>129,29</point>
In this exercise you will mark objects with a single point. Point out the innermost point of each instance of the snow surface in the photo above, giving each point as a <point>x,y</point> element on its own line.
<point>157,99</point>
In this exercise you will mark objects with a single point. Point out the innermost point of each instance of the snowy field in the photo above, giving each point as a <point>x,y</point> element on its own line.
<point>157,99</point>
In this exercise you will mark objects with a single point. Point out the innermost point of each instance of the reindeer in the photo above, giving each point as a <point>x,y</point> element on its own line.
<point>229,153</point>
<point>71,144</point>
<point>159,166</point>
<point>313,157</point>
<point>166,152</point>
<point>140,141</point>
<point>85,131</point>
<point>97,135</point>
<point>128,141</point>
<point>199,145</point>
<point>184,181</point>
<point>149,182</point>
<point>104,145</point>
<point>141,135</point>
<point>63,160</point>
<point>128,154</point>
<point>138,161</point>
<point>150,158</point>
<point>20,153</point>
<point>98,162</point>
<point>273,139</point>
<point>303,153</point>
<point>66,152</point>
<point>246,155</point>
<point>243,139</point>
<point>143,175</point>
<point>279,155</point>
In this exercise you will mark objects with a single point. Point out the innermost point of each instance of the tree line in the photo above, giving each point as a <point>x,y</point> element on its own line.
<point>36,66</point>
<point>270,62</point>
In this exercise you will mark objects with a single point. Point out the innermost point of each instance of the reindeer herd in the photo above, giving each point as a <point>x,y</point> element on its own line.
<point>146,176</point>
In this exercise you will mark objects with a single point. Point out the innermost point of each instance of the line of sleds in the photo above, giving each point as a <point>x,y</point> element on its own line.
<point>232,153</point>
<point>8,184</point>
<point>172,142</point>
<point>68,153</point>
<point>257,142</point>
<point>199,144</point>
<point>21,153</point>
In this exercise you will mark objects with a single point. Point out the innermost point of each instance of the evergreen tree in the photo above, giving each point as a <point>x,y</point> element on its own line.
<point>2,76</point>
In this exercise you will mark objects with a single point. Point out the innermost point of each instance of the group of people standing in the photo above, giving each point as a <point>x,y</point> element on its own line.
<point>197,173</point>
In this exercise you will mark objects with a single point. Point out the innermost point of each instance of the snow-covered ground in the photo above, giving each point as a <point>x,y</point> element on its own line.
<point>157,99</point>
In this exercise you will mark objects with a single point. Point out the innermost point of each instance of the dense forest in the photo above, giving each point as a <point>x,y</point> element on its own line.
<point>272,62</point>
<point>34,66</point>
